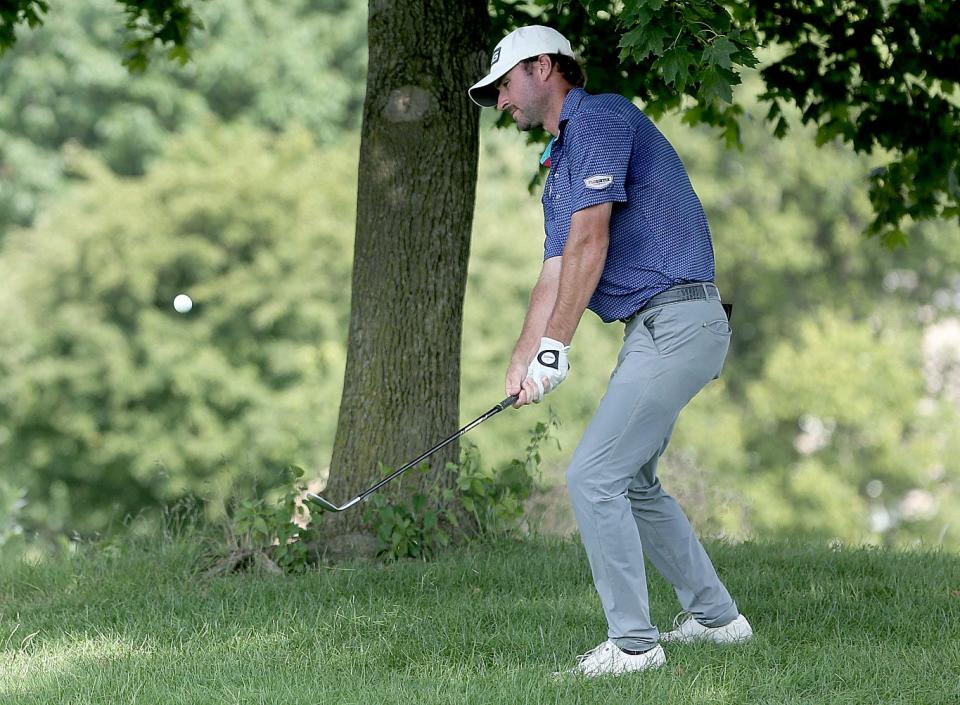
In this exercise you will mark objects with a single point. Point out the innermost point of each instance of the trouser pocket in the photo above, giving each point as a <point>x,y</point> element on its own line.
<point>692,334</point>
<point>721,331</point>
<point>719,327</point>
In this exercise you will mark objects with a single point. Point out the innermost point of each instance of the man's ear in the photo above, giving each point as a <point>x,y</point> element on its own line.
<point>545,66</point>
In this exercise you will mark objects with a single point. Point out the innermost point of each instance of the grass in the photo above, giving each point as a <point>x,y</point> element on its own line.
<point>136,623</point>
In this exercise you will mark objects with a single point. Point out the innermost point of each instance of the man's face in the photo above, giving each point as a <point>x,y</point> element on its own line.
<point>523,95</point>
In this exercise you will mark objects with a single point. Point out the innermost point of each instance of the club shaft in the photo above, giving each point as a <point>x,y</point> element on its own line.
<point>445,442</point>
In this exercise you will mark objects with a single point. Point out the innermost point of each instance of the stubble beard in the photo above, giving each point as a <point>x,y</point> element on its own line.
<point>523,125</point>
<point>529,118</point>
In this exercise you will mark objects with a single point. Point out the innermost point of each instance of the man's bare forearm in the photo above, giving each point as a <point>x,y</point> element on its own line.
<point>542,302</point>
<point>584,256</point>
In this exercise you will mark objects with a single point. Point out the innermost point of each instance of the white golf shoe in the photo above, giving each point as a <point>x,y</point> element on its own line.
<point>686,629</point>
<point>607,659</point>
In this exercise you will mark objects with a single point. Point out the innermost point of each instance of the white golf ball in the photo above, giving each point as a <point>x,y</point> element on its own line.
<point>182,303</point>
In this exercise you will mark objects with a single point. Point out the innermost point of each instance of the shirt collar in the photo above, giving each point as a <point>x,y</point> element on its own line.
<point>571,103</point>
<point>545,157</point>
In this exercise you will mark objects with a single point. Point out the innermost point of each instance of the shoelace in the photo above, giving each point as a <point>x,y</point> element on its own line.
<point>681,620</point>
<point>599,647</point>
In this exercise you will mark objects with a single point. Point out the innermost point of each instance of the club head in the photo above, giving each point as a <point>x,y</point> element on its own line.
<point>324,504</point>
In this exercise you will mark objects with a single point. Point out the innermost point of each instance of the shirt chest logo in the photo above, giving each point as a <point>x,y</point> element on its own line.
<point>598,182</point>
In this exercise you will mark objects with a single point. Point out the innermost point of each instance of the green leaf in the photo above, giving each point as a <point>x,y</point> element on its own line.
<point>641,43</point>
<point>137,63</point>
<point>715,86</point>
<point>718,52</point>
<point>419,503</point>
<point>781,129</point>
<point>894,238</point>
<point>180,54</point>
<point>634,12</point>
<point>675,66</point>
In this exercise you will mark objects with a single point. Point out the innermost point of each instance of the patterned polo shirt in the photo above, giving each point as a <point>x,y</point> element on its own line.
<point>608,150</point>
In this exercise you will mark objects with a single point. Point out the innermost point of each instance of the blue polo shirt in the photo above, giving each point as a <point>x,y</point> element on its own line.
<point>608,150</point>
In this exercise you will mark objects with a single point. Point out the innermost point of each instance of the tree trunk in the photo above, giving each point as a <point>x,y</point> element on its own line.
<point>417,180</point>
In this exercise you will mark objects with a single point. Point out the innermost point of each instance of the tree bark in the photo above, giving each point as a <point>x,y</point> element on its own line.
<point>417,181</point>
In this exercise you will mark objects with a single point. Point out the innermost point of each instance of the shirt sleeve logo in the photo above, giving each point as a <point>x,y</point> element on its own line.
<point>598,182</point>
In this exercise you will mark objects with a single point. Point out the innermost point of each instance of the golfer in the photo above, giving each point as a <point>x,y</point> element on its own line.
<point>626,237</point>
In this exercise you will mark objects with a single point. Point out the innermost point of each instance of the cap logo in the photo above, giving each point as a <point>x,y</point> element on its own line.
<point>496,56</point>
<point>598,182</point>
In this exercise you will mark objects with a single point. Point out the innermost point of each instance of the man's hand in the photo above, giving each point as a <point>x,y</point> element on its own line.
<point>532,381</point>
<point>520,384</point>
<point>548,368</point>
<point>516,374</point>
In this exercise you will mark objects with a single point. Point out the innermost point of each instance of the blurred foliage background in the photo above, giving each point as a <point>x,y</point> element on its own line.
<point>233,179</point>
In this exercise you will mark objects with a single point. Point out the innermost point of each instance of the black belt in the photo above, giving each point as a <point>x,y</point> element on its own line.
<point>682,292</point>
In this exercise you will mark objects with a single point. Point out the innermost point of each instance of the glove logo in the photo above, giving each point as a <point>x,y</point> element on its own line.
<point>549,358</point>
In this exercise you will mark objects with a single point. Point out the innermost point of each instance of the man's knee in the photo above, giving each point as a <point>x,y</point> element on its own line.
<point>590,485</point>
<point>579,486</point>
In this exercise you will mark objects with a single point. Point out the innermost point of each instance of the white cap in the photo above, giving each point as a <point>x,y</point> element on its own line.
<point>522,43</point>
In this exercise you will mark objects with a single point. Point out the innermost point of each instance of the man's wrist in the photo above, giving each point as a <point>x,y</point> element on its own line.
<point>558,336</point>
<point>525,351</point>
<point>550,341</point>
<point>558,332</point>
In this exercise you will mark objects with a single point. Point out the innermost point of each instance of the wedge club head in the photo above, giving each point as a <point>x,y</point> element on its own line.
<point>329,506</point>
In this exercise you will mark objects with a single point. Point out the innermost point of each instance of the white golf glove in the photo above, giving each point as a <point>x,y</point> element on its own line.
<point>550,362</point>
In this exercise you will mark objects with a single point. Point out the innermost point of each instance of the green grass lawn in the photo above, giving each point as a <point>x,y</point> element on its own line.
<point>485,624</point>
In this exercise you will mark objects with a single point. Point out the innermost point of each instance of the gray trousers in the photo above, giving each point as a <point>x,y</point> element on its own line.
<point>669,354</point>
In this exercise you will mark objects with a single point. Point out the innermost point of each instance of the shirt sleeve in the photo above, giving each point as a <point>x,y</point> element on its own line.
<point>599,145</point>
<point>552,245</point>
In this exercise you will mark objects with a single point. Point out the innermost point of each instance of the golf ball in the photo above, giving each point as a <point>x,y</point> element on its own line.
<point>182,303</point>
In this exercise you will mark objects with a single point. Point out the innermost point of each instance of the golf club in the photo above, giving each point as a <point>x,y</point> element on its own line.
<point>331,507</point>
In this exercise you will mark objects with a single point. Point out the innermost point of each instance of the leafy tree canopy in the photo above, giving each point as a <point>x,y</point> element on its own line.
<point>169,23</point>
<point>881,76</point>
<point>111,401</point>
<point>63,87</point>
